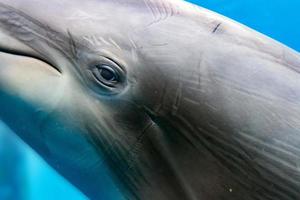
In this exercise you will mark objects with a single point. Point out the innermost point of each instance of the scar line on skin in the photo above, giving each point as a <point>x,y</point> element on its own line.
<point>216,28</point>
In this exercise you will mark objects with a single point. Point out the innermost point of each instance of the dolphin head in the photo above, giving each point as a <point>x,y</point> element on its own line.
<point>151,92</point>
<point>82,84</point>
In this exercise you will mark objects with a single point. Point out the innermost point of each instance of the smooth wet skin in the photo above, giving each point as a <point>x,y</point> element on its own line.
<point>176,102</point>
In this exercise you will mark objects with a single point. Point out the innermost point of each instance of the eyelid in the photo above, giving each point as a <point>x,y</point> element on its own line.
<point>116,63</point>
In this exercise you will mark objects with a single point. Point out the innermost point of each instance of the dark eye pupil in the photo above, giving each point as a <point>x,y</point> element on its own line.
<point>107,74</point>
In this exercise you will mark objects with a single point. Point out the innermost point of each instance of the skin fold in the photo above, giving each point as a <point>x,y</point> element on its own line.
<point>158,99</point>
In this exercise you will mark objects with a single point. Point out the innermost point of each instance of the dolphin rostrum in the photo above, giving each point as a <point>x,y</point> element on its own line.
<point>174,101</point>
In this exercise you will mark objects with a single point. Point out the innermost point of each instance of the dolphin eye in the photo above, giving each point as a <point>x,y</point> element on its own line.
<point>106,75</point>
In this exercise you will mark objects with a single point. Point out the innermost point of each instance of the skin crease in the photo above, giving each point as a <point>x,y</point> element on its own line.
<point>206,108</point>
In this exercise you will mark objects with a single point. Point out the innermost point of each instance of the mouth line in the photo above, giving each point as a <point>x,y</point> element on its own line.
<point>29,55</point>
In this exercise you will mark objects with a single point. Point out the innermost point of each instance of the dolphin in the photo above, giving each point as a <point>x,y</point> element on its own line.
<point>173,101</point>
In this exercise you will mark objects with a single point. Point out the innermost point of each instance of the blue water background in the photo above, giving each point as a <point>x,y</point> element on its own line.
<point>25,176</point>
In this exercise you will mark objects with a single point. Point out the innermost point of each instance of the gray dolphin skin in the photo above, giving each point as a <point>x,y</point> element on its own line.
<point>174,101</point>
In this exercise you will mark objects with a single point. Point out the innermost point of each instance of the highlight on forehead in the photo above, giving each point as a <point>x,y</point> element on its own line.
<point>156,9</point>
<point>55,30</point>
<point>159,8</point>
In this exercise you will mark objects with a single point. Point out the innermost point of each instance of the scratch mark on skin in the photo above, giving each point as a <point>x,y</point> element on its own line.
<point>73,46</point>
<point>104,41</point>
<point>132,42</point>
<point>155,10</point>
<point>191,101</point>
<point>178,99</point>
<point>199,70</point>
<point>150,8</point>
<point>160,10</point>
<point>114,43</point>
<point>216,28</point>
<point>165,11</point>
<point>137,145</point>
<point>160,45</point>
<point>95,40</point>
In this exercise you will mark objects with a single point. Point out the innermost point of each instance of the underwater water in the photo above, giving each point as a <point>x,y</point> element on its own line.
<point>25,176</point>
